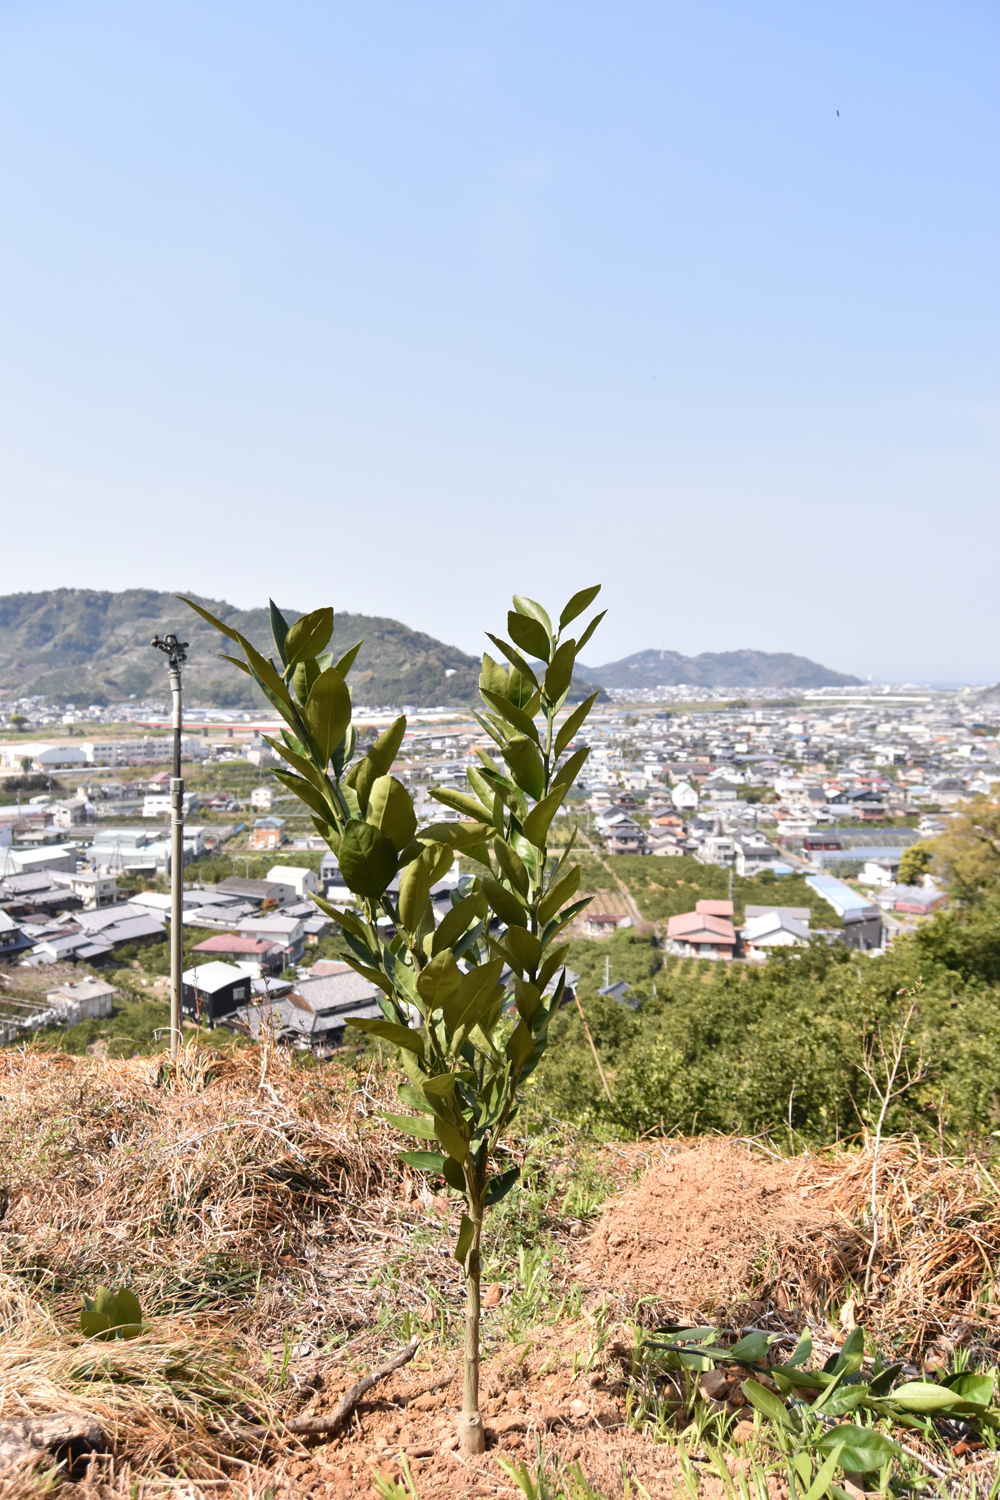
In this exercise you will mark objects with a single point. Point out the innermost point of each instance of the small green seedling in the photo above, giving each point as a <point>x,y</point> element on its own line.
<point>111,1315</point>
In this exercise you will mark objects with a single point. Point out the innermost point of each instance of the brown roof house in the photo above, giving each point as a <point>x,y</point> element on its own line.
<point>706,932</point>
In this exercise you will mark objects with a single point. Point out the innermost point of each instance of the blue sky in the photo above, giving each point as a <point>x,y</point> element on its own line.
<point>404,307</point>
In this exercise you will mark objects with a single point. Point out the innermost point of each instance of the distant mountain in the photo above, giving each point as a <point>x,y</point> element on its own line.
<point>722,669</point>
<point>80,646</point>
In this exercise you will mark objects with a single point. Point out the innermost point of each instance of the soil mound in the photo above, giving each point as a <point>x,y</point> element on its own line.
<point>697,1228</point>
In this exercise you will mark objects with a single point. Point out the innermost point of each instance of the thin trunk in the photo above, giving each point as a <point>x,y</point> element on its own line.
<point>471,1432</point>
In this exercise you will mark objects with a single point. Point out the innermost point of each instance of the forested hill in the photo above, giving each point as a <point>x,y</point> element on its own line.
<point>717,669</point>
<point>82,646</point>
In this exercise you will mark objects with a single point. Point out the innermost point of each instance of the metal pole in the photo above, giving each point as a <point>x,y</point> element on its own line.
<point>175,651</point>
<point>176,869</point>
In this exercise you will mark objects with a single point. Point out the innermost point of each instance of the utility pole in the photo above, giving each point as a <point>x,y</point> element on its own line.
<point>176,654</point>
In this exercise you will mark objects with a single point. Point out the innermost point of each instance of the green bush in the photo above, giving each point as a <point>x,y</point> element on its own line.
<point>758,1048</point>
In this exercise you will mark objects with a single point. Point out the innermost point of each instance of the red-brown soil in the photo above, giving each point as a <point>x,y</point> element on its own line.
<point>531,1392</point>
<point>696,1228</point>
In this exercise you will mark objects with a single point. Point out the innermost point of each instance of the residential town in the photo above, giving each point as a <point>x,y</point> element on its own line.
<point>830,786</point>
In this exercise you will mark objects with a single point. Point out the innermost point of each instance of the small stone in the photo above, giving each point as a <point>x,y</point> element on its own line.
<point>576,1231</point>
<point>714,1385</point>
<point>579,1408</point>
<point>450,1443</point>
<point>743,1432</point>
<point>514,1422</point>
<point>550,1414</point>
<point>576,1450</point>
<point>595,1379</point>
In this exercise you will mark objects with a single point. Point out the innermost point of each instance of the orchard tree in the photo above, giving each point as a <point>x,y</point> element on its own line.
<point>467,1001</point>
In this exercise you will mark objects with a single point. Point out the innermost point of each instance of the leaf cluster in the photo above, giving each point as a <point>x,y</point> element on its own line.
<point>802,1405</point>
<point>466,995</point>
<point>111,1315</point>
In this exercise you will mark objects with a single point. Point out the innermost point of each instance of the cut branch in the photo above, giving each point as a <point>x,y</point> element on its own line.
<point>315,1426</point>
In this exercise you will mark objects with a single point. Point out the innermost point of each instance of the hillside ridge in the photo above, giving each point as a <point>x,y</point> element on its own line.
<point>85,646</point>
<point>717,669</point>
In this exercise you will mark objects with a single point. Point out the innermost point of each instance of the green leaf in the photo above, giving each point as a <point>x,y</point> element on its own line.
<point>752,1349</point>
<point>128,1313</point>
<point>504,902</point>
<point>861,1448</point>
<point>461,802</point>
<point>515,716</point>
<point>378,762</point>
<point>534,611</point>
<point>566,915</point>
<point>279,629</point>
<point>558,895</point>
<point>451,1139</point>
<point>305,792</point>
<point>803,1349</point>
<point>520,1044</point>
<point>576,606</point>
<point>303,677</point>
<point>581,643</point>
<point>300,763</point>
<point>94,1324</point>
<point>512,865</point>
<point>456,921</point>
<point>416,879</point>
<point>923,1395</point>
<point>389,1031</point>
<point>569,727</point>
<point>308,636</point>
<point>501,1185</point>
<point>977,1389</point>
<point>418,1125</point>
<point>555,959</point>
<point>525,765</point>
<point>423,1161</point>
<point>390,809</point>
<point>765,1401</point>
<point>493,678</point>
<point>570,769</point>
<point>560,673</point>
<point>536,824</point>
<point>464,1243</point>
<point>346,662</point>
<point>824,1474</point>
<point>475,996</point>
<point>516,660</point>
<point>524,948</point>
<point>529,634</point>
<point>328,711</point>
<point>455,835</point>
<point>438,983</point>
<point>346,919</point>
<point>367,859</point>
<point>374,976</point>
<point>226,630</point>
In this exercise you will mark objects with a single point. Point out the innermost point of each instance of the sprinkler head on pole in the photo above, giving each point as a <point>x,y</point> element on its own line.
<point>173,649</point>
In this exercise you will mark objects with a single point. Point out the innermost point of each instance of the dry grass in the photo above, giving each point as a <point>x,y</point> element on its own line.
<point>939,1258</point>
<point>274,1243</point>
<point>217,1196</point>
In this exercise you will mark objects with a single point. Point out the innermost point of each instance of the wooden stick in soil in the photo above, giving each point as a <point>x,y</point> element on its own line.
<point>593,1049</point>
<point>315,1426</point>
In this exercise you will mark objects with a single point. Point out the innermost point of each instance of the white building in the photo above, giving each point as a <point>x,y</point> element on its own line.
<point>262,798</point>
<point>302,881</point>
<point>684,797</point>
